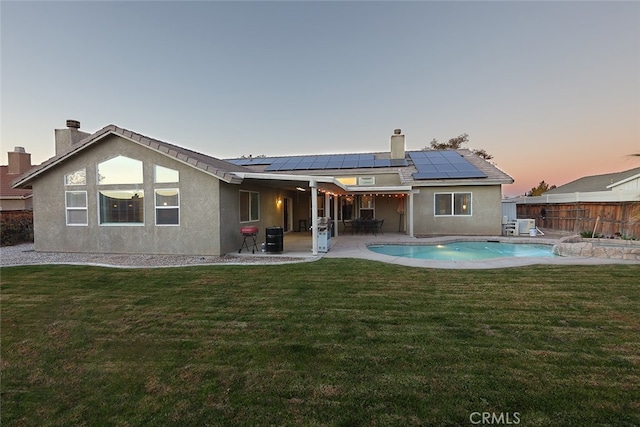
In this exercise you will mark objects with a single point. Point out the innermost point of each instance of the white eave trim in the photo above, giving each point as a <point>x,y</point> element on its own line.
<point>288,177</point>
<point>391,189</point>
<point>631,178</point>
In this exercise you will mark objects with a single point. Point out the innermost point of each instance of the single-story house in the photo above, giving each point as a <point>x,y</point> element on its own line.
<point>117,191</point>
<point>15,199</point>
<point>608,203</point>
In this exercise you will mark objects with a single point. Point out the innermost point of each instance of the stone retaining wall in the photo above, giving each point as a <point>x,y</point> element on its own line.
<point>600,248</point>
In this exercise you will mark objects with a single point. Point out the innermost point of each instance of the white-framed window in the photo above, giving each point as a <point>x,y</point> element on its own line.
<point>121,207</point>
<point>165,175</point>
<point>76,208</point>
<point>167,206</point>
<point>78,177</point>
<point>367,206</point>
<point>452,204</point>
<point>249,206</point>
<point>366,180</point>
<point>120,170</point>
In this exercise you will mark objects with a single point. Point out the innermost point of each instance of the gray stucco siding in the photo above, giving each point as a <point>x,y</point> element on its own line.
<point>485,215</point>
<point>197,234</point>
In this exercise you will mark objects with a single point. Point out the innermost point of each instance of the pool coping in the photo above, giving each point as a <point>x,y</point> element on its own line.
<point>350,248</point>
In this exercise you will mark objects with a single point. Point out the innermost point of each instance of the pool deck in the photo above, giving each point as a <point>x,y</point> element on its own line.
<point>297,248</point>
<point>348,246</point>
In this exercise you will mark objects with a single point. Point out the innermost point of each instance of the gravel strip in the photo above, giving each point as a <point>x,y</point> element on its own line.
<point>26,255</point>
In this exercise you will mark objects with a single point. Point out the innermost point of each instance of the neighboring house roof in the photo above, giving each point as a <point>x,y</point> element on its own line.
<point>595,182</point>
<point>6,190</point>
<point>211,165</point>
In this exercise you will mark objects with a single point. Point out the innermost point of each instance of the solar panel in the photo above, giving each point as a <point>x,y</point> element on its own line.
<point>329,161</point>
<point>365,163</point>
<point>443,165</point>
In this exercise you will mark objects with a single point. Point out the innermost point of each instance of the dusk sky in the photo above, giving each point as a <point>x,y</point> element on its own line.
<point>550,89</point>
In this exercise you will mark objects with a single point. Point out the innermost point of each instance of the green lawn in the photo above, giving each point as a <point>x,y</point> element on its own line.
<point>333,342</point>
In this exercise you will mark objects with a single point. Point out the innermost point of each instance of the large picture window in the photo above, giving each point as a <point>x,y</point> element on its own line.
<point>167,207</point>
<point>452,204</point>
<point>121,207</point>
<point>249,206</point>
<point>76,207</point>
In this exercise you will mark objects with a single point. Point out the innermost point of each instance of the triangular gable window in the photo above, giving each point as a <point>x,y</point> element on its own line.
<point>120,170</point>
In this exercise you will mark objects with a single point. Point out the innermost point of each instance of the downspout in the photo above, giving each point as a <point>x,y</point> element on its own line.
<point>314,217</point>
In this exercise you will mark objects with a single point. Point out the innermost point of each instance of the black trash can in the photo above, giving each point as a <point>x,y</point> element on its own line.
<point>275,239</point>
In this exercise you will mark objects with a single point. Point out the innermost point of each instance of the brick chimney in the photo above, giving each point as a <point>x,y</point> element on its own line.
<point>397,145</point>
<point>67,138</point>
<point>19,161</point>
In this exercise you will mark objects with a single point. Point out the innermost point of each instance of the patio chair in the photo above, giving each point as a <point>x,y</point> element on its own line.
<point>379,226</point>
<point>347,225</point>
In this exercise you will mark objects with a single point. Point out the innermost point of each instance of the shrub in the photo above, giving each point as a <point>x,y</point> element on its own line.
<point>589,235</point>
<point>16,228</point>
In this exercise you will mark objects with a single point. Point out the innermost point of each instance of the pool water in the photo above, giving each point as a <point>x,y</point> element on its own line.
<point>464,251</point>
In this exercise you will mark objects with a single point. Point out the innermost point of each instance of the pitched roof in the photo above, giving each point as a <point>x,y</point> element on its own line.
<point>594,182</point>
<point>6,190</point>
<point>211,165</point>
<point>493,175</point>
<point>227,171</point>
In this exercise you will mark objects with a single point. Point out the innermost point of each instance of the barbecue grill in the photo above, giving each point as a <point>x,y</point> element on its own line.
<point>249,233</point>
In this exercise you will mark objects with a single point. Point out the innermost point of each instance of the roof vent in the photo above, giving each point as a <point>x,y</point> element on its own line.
<point>397,131</point>
<point>19,150</point>
<point>73,124</point>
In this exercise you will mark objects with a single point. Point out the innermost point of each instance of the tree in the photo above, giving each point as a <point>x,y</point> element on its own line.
<point>455,144</point>
<point>542,188</point>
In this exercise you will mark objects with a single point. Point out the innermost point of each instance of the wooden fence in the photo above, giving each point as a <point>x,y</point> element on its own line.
<point>613,218</point>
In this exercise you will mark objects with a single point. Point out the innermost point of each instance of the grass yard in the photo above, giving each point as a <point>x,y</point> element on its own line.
<point>336,342</point>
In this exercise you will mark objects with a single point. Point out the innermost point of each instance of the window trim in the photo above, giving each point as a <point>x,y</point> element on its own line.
<point>71,184</point>
<point>453,204</point>
<point>250,216</point>
<point>120,156</point>
<point>157,168</point>
<point>76,208</point>
<point>157,207</point>
<point>121,224</point>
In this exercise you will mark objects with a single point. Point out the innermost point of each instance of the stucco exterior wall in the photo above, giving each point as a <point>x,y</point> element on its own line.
<point>197,234</point>
<point>485,215</point>
<point>271,214</point>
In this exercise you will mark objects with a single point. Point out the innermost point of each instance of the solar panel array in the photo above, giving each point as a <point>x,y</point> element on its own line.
<point>431,164</point>
<point>443,165</point>
<point>333,161</point>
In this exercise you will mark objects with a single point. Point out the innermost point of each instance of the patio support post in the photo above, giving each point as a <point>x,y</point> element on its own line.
<point>336,199</point>
<point>314,217</point>
<point>327,205</point>
<point>410,214</point>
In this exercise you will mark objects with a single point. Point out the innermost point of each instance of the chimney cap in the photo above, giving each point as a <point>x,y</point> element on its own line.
<point>73,124</point>
<point>397,131</point>
<point>19,150</point>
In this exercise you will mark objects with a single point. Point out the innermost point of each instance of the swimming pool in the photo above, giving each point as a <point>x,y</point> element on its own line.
<point>464,251</point>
